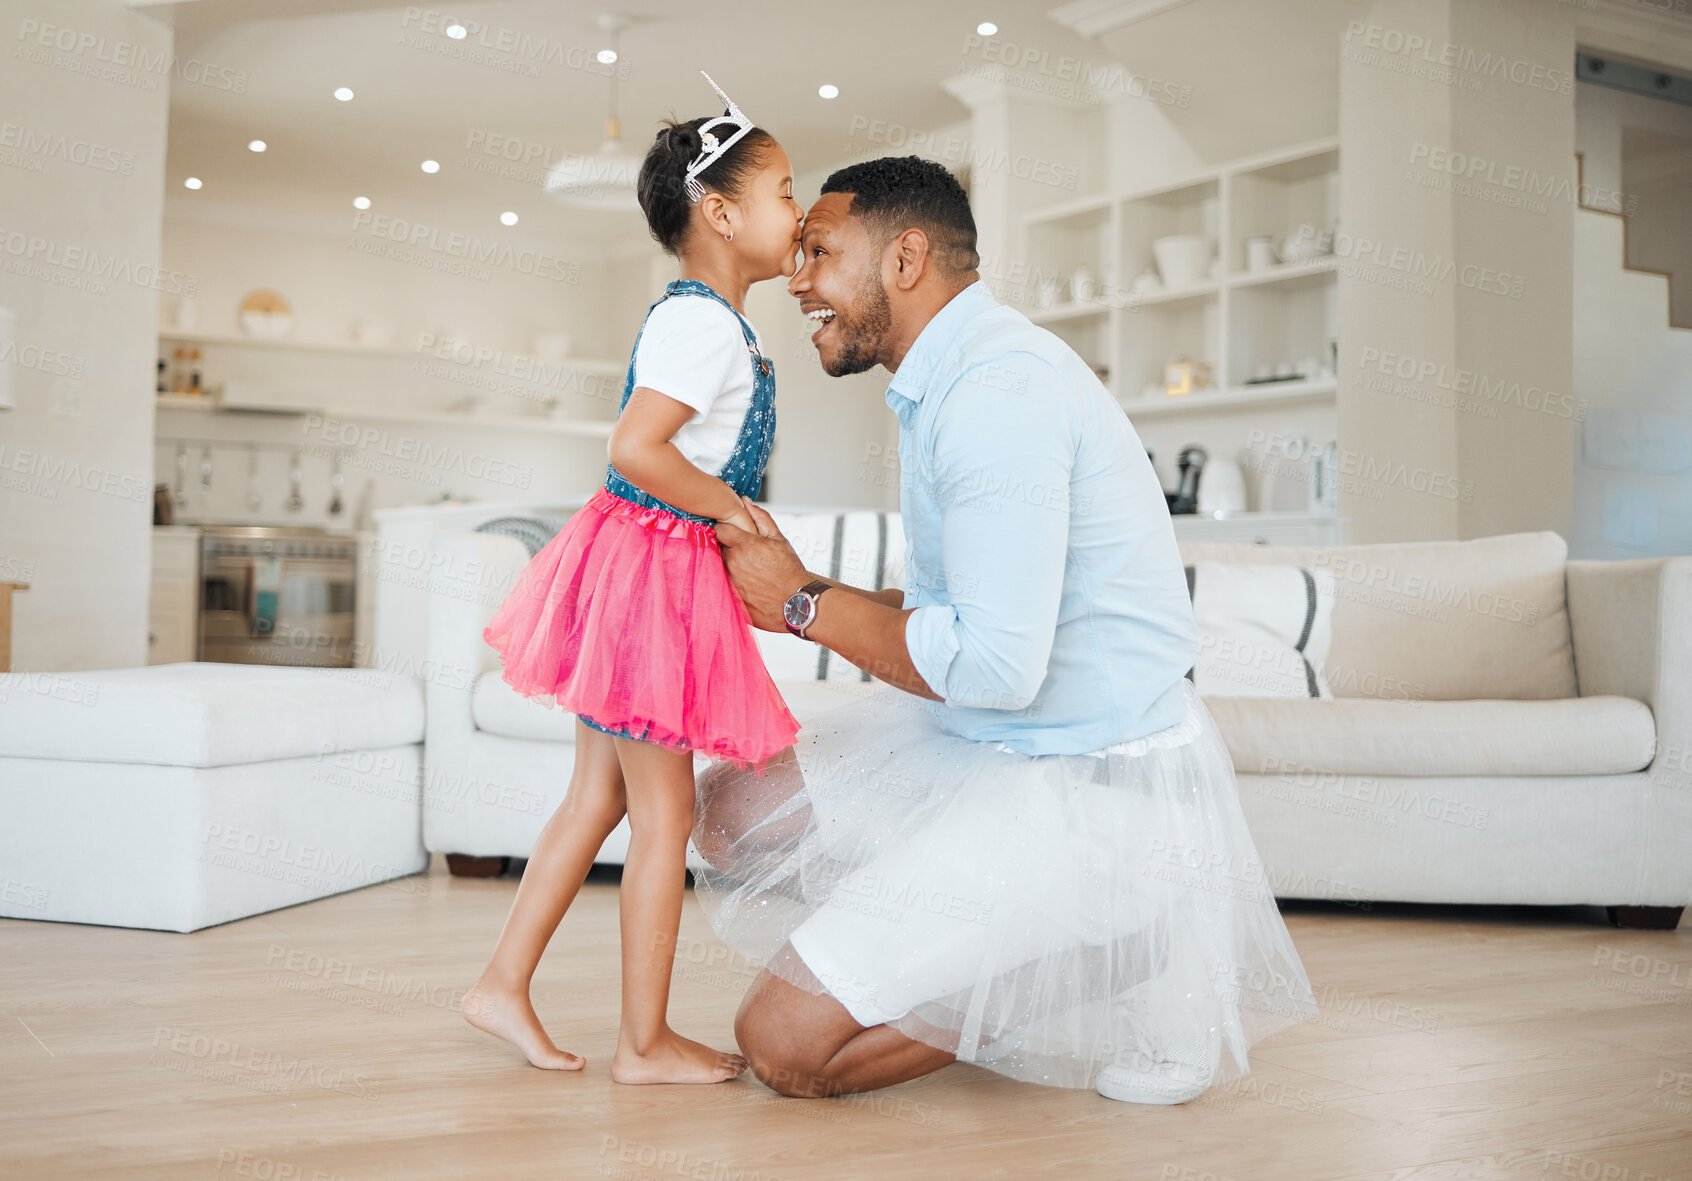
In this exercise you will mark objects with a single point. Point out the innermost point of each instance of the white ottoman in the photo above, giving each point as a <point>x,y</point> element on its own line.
<point>183,795</point>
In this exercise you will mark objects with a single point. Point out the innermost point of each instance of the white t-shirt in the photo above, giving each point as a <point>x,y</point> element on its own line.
<point>693,350</point>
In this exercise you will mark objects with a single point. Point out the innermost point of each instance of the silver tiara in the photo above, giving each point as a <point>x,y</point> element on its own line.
<point>713,147</point>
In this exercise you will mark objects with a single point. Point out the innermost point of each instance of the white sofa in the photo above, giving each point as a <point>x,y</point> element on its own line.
<point>1506,726</point>
<point>179,796</point>
<point>498,764</point>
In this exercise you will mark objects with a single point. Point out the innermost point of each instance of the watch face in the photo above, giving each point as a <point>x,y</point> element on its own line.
<point>799,610</point>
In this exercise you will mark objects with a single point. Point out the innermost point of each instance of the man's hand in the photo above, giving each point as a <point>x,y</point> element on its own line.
<point>763,567</point>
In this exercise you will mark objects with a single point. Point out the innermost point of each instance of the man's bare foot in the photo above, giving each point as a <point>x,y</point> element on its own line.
<point>510,1017</point>
<point>674,1059</point>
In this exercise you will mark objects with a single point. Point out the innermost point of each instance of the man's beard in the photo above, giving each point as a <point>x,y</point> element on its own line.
<point>861,335</point>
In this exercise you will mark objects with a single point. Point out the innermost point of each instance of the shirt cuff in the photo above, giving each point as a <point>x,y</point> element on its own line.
<point>931,636</point>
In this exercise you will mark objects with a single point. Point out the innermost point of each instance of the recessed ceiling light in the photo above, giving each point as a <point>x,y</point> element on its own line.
<point>361,202</point>
<point>193,182</point>
<point>456,32</point>
<point>607,56</point>
<point>986,28</point>
<point>828,90</point>
<point>344,94</point>
<point>431,166</point>
<point>508,218</point>
<point>257,145</point>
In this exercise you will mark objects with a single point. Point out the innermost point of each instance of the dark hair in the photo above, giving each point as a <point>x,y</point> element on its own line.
<point>897,193</point>
<point>663,172</point>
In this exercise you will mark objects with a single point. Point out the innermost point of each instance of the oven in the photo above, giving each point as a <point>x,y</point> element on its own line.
<point>277,595</point>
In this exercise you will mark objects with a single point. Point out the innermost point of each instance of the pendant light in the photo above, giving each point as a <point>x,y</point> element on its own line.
<point>604,179</point>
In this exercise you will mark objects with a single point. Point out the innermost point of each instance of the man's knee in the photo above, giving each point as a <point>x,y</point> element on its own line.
<point>779,1060</point>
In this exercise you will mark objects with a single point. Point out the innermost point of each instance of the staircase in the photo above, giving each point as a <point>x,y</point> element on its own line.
<point>1678,312</point>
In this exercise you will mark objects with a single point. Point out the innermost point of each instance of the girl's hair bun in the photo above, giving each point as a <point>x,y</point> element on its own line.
<point>664,173</point>
<point>682,140</point>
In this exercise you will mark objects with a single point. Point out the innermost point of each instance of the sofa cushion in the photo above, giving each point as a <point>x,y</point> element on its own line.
<point>1443,620</point>
<point>204,714</point>
<point>1263,630</point>
<point>864,548</point>
<point>1360,736</point>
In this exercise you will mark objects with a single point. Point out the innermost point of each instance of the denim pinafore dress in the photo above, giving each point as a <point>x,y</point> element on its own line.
<point>627,617</point>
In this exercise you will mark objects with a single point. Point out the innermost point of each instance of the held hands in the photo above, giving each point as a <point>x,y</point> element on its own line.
<point>761,564</point>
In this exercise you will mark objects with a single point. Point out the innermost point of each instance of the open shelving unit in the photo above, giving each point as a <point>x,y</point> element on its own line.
<point>535,423</point>
<point>1236,320</point>
<point>288,344</point>
<point>306,398</point>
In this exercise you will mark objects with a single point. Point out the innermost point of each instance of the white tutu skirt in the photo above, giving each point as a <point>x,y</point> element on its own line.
<point>1041,916</point>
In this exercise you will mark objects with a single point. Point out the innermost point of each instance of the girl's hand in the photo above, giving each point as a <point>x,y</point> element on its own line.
<point>741,519</point>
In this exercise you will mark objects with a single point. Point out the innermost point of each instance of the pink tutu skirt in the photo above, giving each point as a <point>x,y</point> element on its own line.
<point>627,619</point>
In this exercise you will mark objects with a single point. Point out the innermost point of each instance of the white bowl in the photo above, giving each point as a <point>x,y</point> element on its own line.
<point>1182,258</point>
<point>266,325</point>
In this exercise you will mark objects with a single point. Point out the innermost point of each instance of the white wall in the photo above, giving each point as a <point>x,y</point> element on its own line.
<point>1460,286</point>
<point>79,259</point>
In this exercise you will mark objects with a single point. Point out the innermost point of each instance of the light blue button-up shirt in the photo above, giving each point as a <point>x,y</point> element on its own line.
<point>1051,608</point>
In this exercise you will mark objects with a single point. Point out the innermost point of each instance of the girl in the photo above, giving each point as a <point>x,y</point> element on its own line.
<point>627,618</point>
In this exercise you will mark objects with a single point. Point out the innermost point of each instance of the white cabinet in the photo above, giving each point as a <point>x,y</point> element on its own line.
<point>173,601</point>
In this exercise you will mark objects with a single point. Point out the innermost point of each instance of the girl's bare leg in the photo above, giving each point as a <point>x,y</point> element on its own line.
<point>558,865</point>
<point>660,801</point>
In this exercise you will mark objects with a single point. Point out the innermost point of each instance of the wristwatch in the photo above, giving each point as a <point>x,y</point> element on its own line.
<point>800,611</point>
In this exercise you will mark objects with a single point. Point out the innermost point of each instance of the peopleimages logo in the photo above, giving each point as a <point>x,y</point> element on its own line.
<point>1468,383</point>
<point>1417,47</point>
<point>467,248</point>
<point>119,61</point>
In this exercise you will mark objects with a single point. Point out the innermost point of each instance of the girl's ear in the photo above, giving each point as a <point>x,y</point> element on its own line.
<point>715,209</point>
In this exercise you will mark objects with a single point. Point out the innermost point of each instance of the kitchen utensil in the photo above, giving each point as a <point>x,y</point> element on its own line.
<point>1082,286</point>
<point>1191,465</point>
<point>1182,258</point>
<point>266,314</point>
<point>180,493</point>
<point>1324,477</point>
<point>205,468</point>
<point>1260,253</point>
<point>254,500</point>
<point>1223,490</point>
<point>295,501</point>
<point>335,486</point>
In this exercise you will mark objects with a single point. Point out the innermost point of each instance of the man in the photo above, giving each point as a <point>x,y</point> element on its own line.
<point>969,869</point>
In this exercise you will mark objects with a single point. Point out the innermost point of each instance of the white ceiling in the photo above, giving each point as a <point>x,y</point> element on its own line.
<point>888,57</point>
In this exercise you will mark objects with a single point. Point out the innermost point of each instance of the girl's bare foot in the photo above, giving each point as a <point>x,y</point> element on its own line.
<point>510,1017</point>
<point>673,1058</point>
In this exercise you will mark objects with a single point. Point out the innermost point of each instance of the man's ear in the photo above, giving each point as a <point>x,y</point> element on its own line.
<point>910,258</point>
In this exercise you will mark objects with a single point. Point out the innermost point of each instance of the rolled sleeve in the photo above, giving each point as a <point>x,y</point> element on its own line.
<point>999,469</point>
<point>931,635</point>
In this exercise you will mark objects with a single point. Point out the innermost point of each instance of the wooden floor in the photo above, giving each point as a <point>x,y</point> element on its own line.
<point>322,1043</point>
